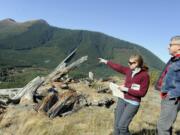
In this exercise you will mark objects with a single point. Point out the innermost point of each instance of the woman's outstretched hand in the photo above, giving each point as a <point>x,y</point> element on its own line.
<point>101,60</point>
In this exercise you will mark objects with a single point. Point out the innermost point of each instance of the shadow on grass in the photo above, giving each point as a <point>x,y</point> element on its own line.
<point>151,132</point>
<point>177,132</point>
<point>146,132</point>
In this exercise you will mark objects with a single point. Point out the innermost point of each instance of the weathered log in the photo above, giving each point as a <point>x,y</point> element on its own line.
<point>64,105</point>
<point>51,75</point>
<point>62,65</point>
<point>63,71</point>
<point>7,92</point>
<point>79,103</point>
<point>27,91</point>
<point>3,104</point>
<point>69,102</point>
<point>48,102</point>
<point>67,58</point>
<point>30,90</point>
<point>104,102</point>
<point>69,106</point>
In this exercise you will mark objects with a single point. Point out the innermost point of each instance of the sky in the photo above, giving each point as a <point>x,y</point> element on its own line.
<point>149,23</point>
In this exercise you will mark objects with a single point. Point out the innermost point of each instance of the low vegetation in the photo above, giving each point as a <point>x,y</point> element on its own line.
<point>93,120</point>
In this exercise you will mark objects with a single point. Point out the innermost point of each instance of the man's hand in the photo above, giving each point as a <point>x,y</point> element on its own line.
<point>101,60</point>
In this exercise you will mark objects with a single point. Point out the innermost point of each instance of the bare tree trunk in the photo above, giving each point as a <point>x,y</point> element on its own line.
<point>48,102</point>
<point>27,91</point>
<point>51,75</point>
<point>63,71</point>
<point>8,92</point>
<point>62,65</point>
<point>63,105</point>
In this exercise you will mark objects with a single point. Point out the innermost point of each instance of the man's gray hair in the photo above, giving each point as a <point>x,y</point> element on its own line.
<point>175,38</point>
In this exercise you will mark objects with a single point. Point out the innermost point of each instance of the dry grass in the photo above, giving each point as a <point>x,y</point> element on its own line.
<point>88,121</point>
<point>23,120</point>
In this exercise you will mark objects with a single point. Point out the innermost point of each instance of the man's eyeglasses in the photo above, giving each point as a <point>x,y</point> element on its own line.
<point>130,63</point>
<point>173,44</point>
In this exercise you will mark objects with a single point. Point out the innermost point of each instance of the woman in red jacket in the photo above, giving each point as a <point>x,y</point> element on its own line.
<point>135,86</point>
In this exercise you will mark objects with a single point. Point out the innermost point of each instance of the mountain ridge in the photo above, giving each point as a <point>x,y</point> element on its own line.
<point>35,42</point>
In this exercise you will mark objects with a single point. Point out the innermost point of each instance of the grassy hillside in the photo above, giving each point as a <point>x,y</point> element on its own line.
<point>37,44</point>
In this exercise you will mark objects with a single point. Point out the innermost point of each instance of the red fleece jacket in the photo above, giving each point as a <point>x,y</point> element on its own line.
<point>141,80</point>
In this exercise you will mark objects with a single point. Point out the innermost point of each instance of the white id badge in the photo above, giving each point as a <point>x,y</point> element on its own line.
<point>135,86</point>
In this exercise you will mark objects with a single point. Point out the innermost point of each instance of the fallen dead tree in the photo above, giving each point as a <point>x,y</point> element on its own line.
<point>65,70</point>
<point>54,103</point>
<point>27,91</point>
<point>61,66</point>
<point>5,93</point>
<point>67,103</point>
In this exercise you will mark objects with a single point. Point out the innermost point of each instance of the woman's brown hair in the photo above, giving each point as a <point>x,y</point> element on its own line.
<point>138,58</point>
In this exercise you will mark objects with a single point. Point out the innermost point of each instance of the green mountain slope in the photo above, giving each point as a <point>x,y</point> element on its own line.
<point>36,43</point>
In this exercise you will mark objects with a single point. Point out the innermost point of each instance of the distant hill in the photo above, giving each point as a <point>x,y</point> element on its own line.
<point>35,43</point>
